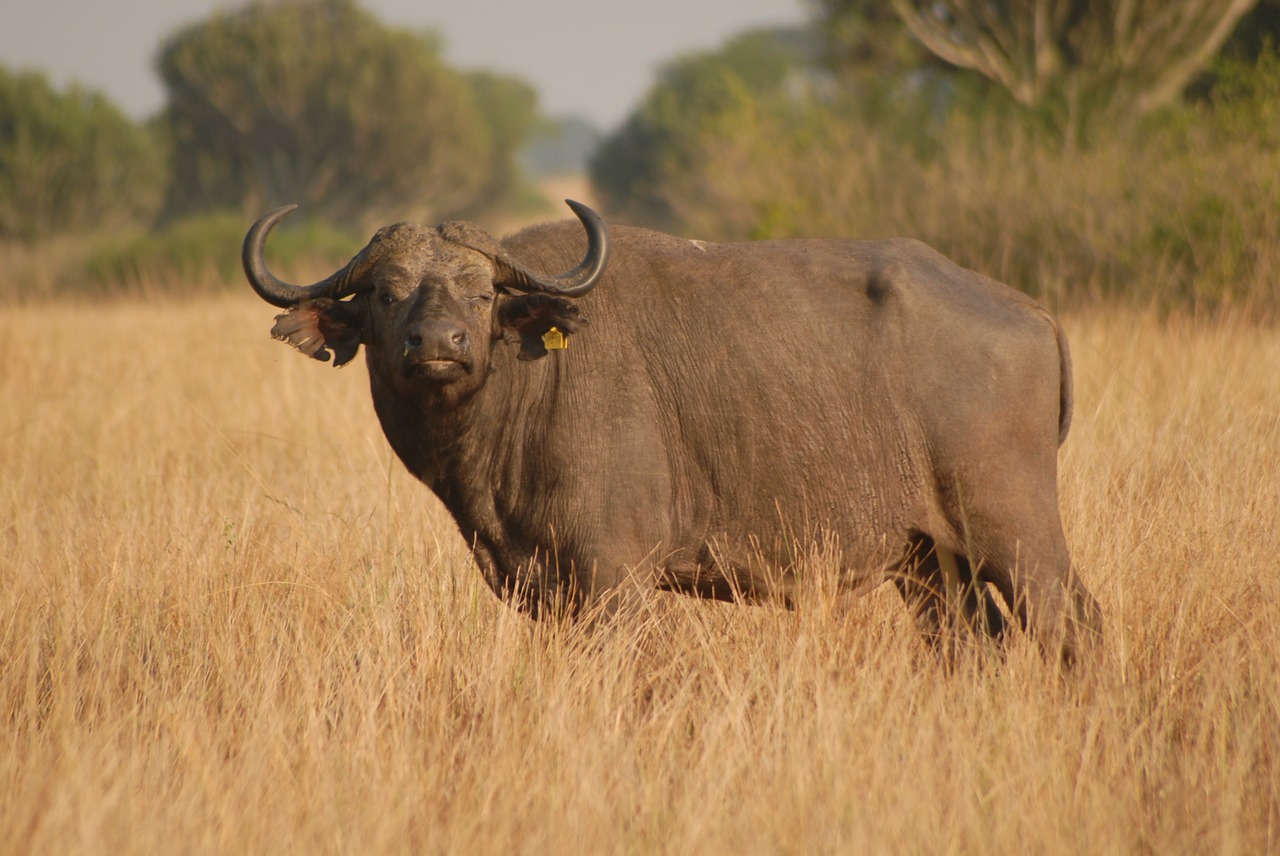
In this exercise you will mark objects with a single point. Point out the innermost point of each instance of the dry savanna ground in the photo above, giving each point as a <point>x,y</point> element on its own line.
<point>230,622</point>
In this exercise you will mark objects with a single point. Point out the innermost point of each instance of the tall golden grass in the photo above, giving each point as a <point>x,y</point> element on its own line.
<point>230,623</point>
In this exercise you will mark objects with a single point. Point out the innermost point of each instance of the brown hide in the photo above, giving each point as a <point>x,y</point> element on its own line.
<point>727,405</point>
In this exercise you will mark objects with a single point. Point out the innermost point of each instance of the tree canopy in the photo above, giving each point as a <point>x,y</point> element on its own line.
<point>698,96</point>
<point>317,102</point>
<point>69,160</point>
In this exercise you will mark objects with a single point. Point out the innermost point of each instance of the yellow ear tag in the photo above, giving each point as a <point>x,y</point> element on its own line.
<point>554,340</point>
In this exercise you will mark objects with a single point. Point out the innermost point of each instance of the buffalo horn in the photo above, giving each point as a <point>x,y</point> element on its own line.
<point>572,283</point>
<point>276,291</point>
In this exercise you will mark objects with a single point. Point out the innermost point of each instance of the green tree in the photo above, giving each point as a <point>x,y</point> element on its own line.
<point>317,102</point>
<point>865,43</point>
<point>69,161</point>
<point>639,168</point>
<point>509,110</point>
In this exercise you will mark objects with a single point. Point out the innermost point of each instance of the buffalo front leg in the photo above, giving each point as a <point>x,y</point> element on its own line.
<point>1032,570</point>
<point>1052,602</point>
<point>613,592</point>
<point>950,603</point>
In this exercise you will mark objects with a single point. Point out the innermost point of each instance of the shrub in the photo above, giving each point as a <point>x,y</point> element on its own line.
<point>200,253</point>
<point>70,161</point>
<point>1183,210</point>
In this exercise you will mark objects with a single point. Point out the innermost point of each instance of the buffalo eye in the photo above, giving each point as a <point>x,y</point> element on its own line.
<point>386,298</point>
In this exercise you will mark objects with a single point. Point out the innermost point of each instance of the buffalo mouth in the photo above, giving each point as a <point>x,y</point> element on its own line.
<point>438,369</point>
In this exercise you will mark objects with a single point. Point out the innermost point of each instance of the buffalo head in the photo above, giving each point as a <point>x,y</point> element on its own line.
<point>427,302</point>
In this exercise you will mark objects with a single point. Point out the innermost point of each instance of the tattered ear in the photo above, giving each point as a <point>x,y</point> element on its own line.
<point>528,318</point>
<point>315,326</point>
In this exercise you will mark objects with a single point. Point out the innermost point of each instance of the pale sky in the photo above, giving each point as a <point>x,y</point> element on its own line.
<point>593,58</point>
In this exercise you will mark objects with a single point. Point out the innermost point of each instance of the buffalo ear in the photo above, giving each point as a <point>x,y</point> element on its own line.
<point>527,318</point>
<point>315,326</point>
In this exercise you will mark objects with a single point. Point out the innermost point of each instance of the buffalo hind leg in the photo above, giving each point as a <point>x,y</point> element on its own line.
<point>950,603</point>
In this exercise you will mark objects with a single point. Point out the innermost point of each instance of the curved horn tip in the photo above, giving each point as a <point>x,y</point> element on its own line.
<point>581,209</point>
<point>276,215</point>
<point>572,283</point>
<point>267,222</point>
<point>266,284</point>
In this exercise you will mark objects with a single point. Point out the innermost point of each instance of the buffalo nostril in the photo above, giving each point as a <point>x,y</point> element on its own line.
<point>437,341</point>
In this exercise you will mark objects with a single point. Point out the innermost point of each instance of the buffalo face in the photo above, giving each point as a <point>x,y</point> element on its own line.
<point>427,311</point>
<point>428,304</point>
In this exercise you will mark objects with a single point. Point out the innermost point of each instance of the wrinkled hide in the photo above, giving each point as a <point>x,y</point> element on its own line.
<point>725,405</point>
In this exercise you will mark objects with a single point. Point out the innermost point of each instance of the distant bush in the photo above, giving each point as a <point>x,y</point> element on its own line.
<point>697,98</point>
<point>70,161</point>
<point>190,257</point>
<point>200,253</point>
<point>1182,210</point>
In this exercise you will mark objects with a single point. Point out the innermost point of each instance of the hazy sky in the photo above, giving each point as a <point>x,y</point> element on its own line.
<point>594,58</point>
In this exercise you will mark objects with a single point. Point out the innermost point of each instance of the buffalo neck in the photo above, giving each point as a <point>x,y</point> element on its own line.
<point>459,448</point>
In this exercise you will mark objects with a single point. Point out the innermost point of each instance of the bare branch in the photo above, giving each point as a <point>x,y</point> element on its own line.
<point>1193,37</point>
<point>1123,55</point>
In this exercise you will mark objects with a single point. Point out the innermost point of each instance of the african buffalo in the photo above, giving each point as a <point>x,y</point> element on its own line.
<point>727,401</point>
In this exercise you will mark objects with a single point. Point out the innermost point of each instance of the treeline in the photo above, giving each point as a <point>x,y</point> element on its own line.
<point>1070,147</point>
<point>315,102</point>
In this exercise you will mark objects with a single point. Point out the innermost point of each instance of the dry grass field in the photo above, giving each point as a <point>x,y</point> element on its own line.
<point>231,623</point>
